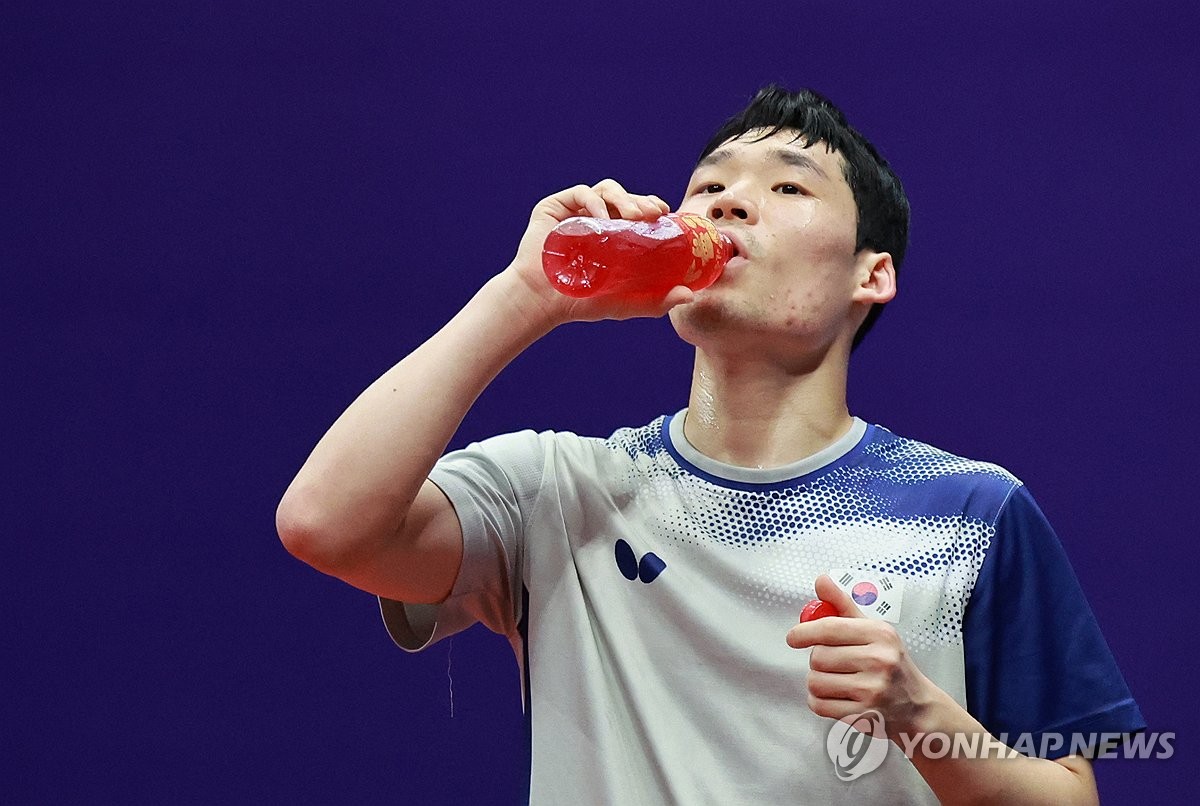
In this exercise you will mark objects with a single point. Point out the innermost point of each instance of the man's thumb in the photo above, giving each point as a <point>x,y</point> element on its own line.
<point>827,590</point>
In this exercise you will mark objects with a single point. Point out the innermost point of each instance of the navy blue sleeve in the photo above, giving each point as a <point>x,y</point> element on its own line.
<point>1036,661</point>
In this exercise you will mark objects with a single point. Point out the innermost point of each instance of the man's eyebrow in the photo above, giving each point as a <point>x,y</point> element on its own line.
<point>792,157</point>
<point>788,156</point>
<point>713,158</point>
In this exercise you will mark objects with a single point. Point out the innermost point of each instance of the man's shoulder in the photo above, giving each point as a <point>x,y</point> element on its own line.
<point>921,459</point>
<point>920,468</point>
<point>569,445</point>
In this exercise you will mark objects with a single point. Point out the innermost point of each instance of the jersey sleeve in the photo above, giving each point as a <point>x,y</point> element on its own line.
<point>491,485</point>
<point>1036,662</point>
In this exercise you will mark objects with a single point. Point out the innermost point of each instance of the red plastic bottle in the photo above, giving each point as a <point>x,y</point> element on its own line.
<point>816,609</point>
<point>585,257</point>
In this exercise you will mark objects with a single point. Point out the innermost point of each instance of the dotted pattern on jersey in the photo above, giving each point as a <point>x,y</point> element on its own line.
<point>853,516</point>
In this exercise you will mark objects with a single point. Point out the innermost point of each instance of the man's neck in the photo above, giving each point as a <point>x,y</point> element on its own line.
<point>754,414</point>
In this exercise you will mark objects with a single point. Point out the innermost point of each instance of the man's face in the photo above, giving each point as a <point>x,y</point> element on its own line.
<point>792,217</point>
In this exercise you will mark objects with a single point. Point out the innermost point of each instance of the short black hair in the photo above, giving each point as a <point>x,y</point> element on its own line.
<point>882,206</point>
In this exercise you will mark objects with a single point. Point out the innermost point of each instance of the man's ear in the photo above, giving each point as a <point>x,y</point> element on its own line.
<point>876,277</point>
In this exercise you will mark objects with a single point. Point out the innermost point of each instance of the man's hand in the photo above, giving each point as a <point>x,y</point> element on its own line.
<point>605,199</point>
<point>858,663</point>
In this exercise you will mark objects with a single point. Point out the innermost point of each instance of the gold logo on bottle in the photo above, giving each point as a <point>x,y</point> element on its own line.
<point>702,235</point>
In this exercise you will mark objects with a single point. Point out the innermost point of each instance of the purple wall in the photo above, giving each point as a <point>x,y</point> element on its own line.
<point>219,225</point>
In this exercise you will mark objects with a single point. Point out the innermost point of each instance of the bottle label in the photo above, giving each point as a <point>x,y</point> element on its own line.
<point>702,237</point>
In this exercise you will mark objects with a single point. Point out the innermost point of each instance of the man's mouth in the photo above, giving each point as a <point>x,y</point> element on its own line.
<point>739,249</point>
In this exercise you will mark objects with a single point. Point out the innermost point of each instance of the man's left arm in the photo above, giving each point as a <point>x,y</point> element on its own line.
<point>858,664</point>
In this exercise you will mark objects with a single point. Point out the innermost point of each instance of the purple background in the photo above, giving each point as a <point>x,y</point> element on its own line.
<point>221,221</point>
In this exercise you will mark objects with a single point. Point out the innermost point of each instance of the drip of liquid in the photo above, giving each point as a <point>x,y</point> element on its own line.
<point>449,677</point>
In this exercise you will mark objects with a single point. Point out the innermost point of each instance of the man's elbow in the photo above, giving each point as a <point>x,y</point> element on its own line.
<point>310,536</point>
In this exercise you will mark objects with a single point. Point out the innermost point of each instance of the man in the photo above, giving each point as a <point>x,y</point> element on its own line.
<point>649,582</point>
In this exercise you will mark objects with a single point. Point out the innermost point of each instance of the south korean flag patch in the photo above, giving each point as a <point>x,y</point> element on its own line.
<point>877,595</point>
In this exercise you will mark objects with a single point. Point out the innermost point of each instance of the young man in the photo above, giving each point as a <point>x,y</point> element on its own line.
<point>650,582</point>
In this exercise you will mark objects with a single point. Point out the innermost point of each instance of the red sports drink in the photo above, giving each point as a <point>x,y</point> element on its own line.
<point>585,257</point>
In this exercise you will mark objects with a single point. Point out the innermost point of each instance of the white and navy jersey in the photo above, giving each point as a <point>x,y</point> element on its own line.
<point>647,591</point>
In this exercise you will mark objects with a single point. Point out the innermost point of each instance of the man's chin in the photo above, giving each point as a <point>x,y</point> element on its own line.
<point>709,313</point>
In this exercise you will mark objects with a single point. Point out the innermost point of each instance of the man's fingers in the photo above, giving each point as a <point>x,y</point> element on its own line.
<point>624,204</point>
<point>605,199</point>
<point>834,708</point>
<point>679,295</point>
<point>647,207</point>
<point>831,631</point>
<point>831,686</point>
<point>652,305</point>
<point>572,201</point>
<point>597,206</point>
<point>837,659</point>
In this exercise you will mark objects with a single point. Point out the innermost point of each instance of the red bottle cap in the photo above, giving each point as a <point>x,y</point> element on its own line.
<point>817,609</point>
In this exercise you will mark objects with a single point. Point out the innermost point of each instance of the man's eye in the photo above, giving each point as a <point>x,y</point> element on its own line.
<point>711,187</point>
<point>788,187</point>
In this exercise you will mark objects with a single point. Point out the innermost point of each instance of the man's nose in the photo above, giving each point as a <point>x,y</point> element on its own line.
<point>732,206</point>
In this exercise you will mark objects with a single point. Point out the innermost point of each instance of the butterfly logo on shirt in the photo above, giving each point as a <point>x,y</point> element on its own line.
<point>646,569</point>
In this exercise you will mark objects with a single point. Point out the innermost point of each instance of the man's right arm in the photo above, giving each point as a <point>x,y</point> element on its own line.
<point>361,508</point>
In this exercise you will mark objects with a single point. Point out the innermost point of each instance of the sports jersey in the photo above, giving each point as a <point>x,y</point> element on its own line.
<point>647,589</point>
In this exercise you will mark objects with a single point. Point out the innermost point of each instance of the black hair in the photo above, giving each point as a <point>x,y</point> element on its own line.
<point>882,207</point>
